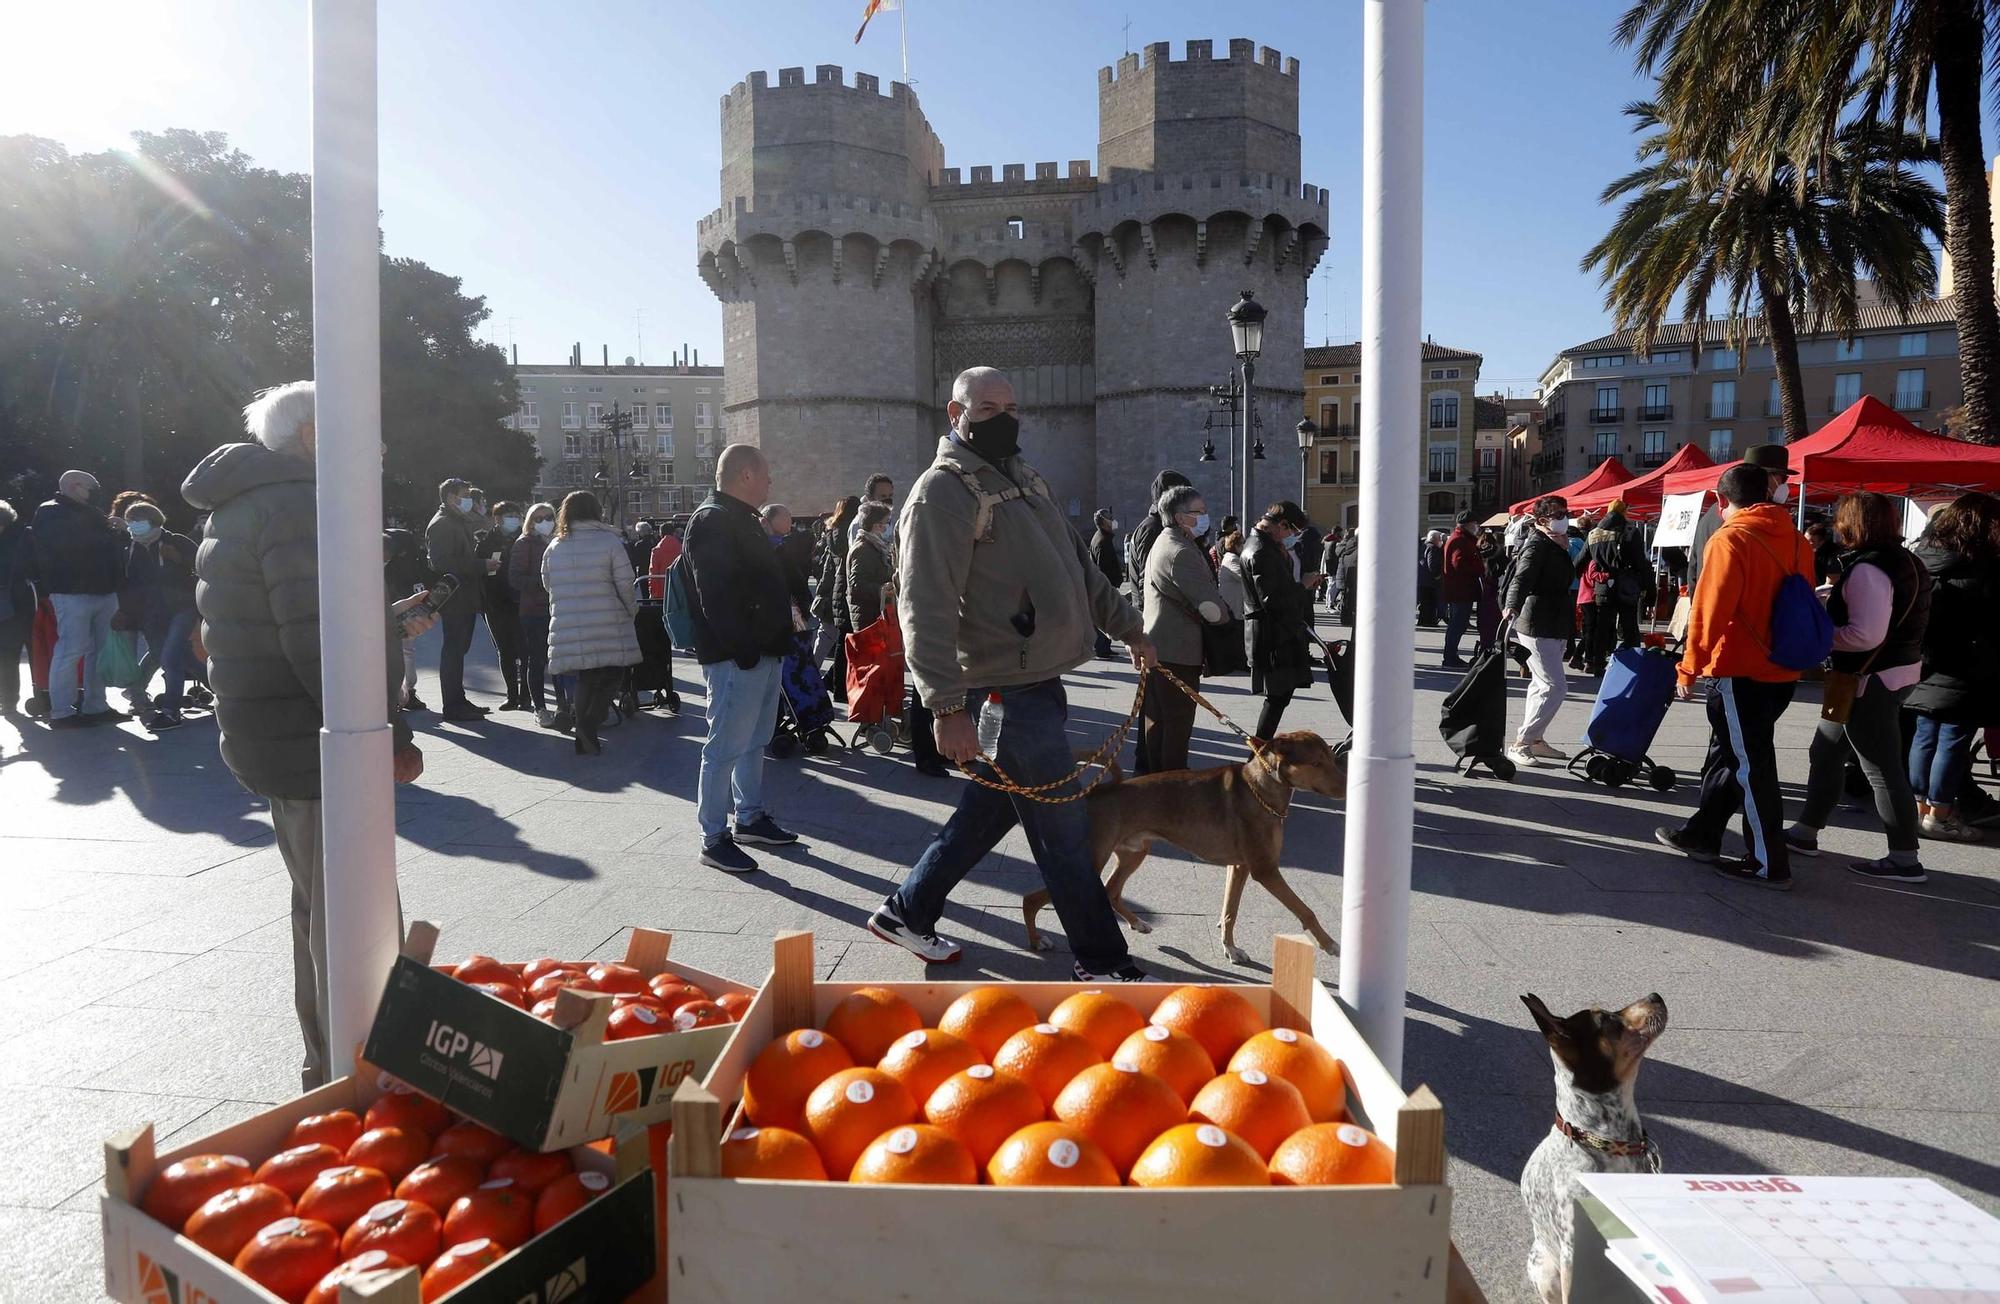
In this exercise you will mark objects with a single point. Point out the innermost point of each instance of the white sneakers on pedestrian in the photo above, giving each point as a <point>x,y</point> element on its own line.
<point>1948,828</point>
<point>1538,752</point>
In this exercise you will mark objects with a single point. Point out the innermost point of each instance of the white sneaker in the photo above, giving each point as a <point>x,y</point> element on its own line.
<point>1521,755</point>
<point>1544,750</point>
<point>887,924</point>
<point>1949,828</point>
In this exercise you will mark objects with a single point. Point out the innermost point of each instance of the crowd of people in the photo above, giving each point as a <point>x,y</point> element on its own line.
<point>994,596</point>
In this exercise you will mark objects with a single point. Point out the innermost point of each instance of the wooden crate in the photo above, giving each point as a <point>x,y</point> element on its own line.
<point>605,1251</point>
<point>761,1241</point>
<point>545,1086</point>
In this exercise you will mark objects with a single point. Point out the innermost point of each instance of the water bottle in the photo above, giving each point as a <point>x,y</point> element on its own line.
<point>989,725</point>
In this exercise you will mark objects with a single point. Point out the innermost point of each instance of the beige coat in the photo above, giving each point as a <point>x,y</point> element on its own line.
<point>591,603</point>
<point>1176,568</point>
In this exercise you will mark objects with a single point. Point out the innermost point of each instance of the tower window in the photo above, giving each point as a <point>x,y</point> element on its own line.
<point>1016,229</point>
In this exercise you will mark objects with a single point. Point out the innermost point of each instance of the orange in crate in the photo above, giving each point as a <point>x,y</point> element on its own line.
<point>850,1109</point>
<point>987,1017</point>
<point>925,1058</point>
<point>1261,1109</point>
<point>1304,1063</point>
<point>1199,1154</point>
<point>916,1153</point>
<point>1046,1058</point>
<point>771,1152</point>
<point>1333,1154</point>
<point>868,1020</point>
<point>983,1108</point>
<point>1173,1057</point>
<point>1121,1109</point>
<point>1218,1018</point>
<point>1050,1154</point>
<point>784,1074</point>
<point>1099,1018</point>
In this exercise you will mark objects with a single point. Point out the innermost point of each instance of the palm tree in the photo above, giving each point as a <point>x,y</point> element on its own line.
<point>1781,245</point>
<point>1744,79</point>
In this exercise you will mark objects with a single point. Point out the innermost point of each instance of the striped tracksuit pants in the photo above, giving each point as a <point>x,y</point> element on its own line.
<point>1741,771</point>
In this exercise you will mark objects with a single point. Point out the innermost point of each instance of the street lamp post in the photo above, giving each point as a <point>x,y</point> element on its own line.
<point>619,422</point>
<point>1246,330</point>
<point>1308,436</point>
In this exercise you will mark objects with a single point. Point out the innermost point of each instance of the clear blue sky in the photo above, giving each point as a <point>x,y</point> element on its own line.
<point>556,154</point>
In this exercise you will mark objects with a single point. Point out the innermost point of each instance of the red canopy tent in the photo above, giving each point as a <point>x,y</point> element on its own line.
<point>1642,495</point>
<point>1871,446</point>
<point>1609,472</point>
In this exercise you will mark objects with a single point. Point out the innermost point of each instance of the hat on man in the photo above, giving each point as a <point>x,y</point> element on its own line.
<point>1465,518</point>
<point>1772,457</point>
<point>1286,513</point>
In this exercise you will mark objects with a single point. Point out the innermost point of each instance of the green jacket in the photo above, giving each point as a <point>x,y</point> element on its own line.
<point>257,589</point>
<point>1016,605</point>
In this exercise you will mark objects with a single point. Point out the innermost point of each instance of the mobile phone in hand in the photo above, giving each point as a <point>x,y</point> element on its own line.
<point>441,591</point>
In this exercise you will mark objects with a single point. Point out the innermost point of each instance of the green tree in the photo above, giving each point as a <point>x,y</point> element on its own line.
<point>145,294</point>
<point>1751,80</point>
<point>1781,246</point>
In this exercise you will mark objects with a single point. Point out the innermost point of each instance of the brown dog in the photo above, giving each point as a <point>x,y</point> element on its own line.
<point>1216,814</point>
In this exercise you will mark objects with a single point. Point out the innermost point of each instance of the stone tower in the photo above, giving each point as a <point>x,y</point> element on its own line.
<point>858,276</point>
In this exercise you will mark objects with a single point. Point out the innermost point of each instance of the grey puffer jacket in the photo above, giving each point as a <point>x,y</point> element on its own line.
<point>591,602</point>
<point>257,588</point>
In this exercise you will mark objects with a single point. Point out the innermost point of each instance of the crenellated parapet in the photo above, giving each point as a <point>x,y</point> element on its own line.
<point>1199,56</point>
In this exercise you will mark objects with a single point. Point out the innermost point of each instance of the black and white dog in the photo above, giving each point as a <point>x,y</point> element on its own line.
<point>1597,1128</point>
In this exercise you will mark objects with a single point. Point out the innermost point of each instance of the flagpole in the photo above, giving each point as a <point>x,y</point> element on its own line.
<point>903,21</point>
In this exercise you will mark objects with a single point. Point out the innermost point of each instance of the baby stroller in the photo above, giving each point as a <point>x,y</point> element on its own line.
<point>805,711</point>
<point>1473,719</point>
<point>655,672</point>
<point>1632,700</point>
<point>875,683</point>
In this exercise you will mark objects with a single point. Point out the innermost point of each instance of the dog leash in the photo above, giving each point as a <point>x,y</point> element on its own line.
<point>1002,782</point>
<point>1643,1148</point>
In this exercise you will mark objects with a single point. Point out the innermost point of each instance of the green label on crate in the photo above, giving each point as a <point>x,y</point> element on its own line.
<point>495,1064</point>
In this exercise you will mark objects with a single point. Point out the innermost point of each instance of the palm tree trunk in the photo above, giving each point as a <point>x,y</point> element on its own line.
<point>1784,354</point>
<point>1960,41</point>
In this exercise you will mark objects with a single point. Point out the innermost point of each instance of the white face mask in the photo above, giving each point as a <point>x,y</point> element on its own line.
<point>1558,525</point>
<point>1200,524</point>
<point>465,506</point>
<point>545,526</point>
<point>1783,492</point>
<point>511,524</point>
<point>1292,541</point>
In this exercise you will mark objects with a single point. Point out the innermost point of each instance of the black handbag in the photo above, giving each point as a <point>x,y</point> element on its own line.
<point>1222,651</point>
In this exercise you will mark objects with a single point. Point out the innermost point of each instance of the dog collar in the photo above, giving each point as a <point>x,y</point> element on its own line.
<point>1640,1149</point>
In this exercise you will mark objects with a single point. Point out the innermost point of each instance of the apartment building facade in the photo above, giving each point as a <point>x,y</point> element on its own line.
<point>1444,426</point>
<point>1603,400</point>
<point>665,462</point>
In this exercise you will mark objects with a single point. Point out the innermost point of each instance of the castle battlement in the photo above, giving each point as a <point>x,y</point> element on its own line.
<point>1159,57</point>
<point>826,76</point>
<point>1049,179</point>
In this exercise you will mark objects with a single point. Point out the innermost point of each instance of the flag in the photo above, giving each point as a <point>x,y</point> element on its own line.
<point>872,8</point>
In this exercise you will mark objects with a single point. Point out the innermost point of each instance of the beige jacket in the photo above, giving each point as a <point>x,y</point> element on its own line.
<point>1176,568</point>
<point>965,604</point>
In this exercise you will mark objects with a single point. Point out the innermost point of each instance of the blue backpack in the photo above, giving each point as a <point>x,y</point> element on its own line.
<point>1801,631</point>
<point>680,623</point>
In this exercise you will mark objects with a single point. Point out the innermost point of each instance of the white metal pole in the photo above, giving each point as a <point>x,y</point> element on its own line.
<point>356,765</point>
<point>1381,792</point>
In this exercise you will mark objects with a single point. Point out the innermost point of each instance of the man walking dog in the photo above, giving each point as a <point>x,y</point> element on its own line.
<point>999,597</point>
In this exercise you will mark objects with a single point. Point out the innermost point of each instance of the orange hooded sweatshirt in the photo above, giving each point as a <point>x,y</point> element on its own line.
<point>1729,625</point>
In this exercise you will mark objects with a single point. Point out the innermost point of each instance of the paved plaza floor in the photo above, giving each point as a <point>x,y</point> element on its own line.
<point>1846,1027</point>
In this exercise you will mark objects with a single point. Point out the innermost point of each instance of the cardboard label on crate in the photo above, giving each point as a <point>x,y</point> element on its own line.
<point>473,1053</point>
<point>605,1251</point>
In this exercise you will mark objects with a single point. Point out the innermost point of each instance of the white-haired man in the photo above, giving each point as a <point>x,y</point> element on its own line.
<point>259,600</point>
<point>79,562</point>
<point>1000,597</point>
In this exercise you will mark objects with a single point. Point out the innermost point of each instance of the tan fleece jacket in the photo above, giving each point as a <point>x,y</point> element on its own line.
<point>960,598</point>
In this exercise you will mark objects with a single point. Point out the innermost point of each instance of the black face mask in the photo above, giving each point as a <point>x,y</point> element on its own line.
<point>996,438</point>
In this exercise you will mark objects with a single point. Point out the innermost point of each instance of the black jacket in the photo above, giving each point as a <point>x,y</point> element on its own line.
<point>1140,541</point>
<point>795,553</point>
<point>1104,555</point>
<point>451,542</point>
<point>17,563</point>
<point>1909,613</point>
<point>259,598</point>
<point>499,594</point>
<point>1537,588</point>
<point>830,602</point>
<point>1961,683</point>
<point>738,601</point>
<point>1619,552</point>
<point>1278,614</point>
<point>159,577</point>
<point>1341,564</point>
<point>77,549</point>
<point>404,569</point>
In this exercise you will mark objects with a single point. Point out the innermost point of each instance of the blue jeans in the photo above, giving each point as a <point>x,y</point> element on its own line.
<point>1034,748</point>
<point>1940,759</point>
<point>1457,616</point>
<point>742,710</point>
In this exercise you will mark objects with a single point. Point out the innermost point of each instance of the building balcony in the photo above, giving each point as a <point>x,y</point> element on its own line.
<point>572,423</point>
<point>1650,460</point>
<point>1601,414</point>
<point>572,456</point>
<point>1436,424</point>
<point>1558,419</point>
<point>1721,411</point>
<point>1911,401</point>
<point>1837,404</point>
<point>1545,463</point>
<point>1661,412</point>
<point>1773,408</point>
<point>1595,458</point>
